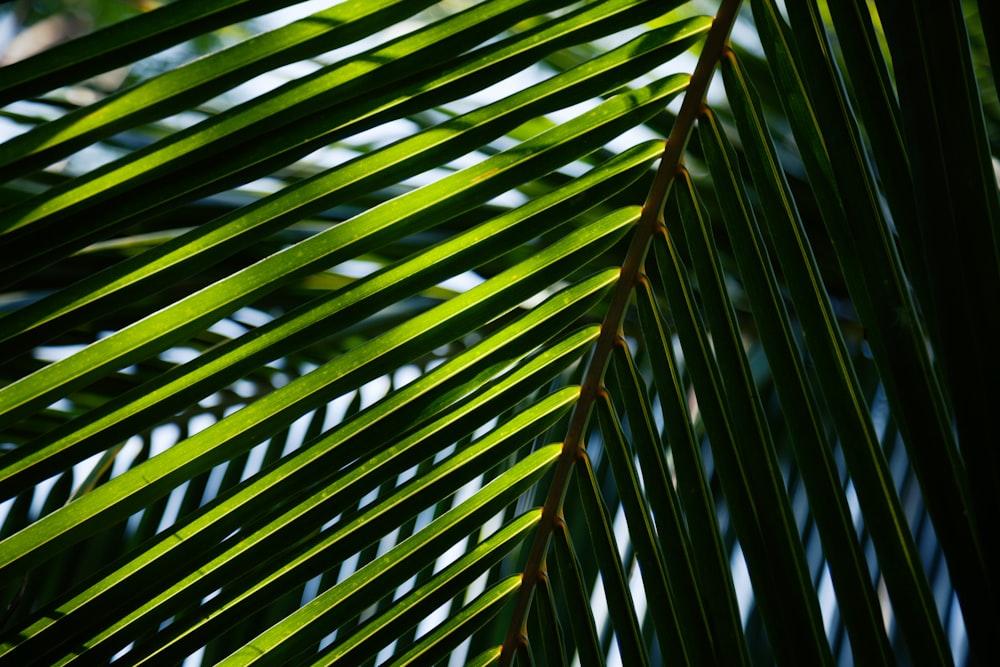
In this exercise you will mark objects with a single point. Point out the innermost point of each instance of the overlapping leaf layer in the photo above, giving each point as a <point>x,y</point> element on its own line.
<point>408,332</point>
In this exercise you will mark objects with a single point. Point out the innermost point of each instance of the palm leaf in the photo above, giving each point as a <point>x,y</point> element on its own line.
<point>350,342</point>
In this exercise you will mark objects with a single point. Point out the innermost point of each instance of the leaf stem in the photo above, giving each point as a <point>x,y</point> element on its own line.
<point>650,222</point>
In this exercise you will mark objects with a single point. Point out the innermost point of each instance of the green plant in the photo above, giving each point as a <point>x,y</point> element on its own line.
<point>782,358</point>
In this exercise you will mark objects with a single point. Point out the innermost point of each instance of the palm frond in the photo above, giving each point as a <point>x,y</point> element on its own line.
<point>394,333</point>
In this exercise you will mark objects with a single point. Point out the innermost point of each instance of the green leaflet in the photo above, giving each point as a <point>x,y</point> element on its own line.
<point>149,403</point>
<point>424,600</point>
<point>400,216</point>
<point>851,420</point>
<point>388,452</point>
<point>245,427</point>
<point>649,553</point>
<point>446,637</point>
<point>185,86</point>
<point>125,43</point>
<point>566,569</point>
<point>340,541</point>
<point>249,135</point>
<point>712,566</point>
<point>823,484</point>
<point>211,242</point>
<point>407,556</point>
<point>594,514</point>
